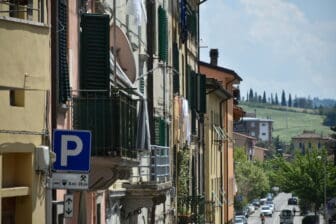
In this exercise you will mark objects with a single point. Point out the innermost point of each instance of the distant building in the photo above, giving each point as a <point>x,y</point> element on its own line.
<point>259,153</point>
<point>245,141</point>
<point>259,128</point>
<point>309,140</point>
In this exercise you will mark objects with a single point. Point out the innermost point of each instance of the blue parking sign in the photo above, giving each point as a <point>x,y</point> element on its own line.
<point>73,150</point>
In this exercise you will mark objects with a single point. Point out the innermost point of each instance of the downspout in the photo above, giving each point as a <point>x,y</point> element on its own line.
<point>201,124</point>
<point>51,194</point>
<point>227,151</point>
<point>221,158</point>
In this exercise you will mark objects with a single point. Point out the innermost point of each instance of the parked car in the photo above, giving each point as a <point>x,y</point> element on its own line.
<point>263,201</point>
<point>292,201</point>
<point>266,210</point>
<point>241,217</point>
<point>270,204</point>
<point>311,219</point>
<point>238,221</point>
<point>286,216</point>
<point>251,208</point>
<point>256,203</point>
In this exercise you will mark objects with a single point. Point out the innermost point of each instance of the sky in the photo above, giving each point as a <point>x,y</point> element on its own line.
<point>274,45</point>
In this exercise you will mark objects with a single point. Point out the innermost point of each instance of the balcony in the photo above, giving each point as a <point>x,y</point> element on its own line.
<point>112,121</point>
<point>194,209</point>
<point>150,180</point>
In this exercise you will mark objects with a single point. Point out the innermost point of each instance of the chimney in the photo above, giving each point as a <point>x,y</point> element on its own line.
<point>213,56</point>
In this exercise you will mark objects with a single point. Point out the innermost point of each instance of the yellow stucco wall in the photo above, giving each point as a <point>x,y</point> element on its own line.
<point>25,55</point>
<point>25,65</point>
<point>213,155</point>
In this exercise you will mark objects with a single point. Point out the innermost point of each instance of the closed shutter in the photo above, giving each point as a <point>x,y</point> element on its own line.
<point>161,129</point>
<point>95,64</point>
<point>201,95</point>
<point>63,78</point>
<point>176,66</point>
<point>192,90</point>
<point>163,34</point>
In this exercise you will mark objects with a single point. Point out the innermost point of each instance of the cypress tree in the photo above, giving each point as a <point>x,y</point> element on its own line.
<point>264,97</point>
<point>290,100</point>
<point>283,98</point>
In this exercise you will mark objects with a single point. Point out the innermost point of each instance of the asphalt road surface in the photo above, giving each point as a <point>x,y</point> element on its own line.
<point>280,202</point>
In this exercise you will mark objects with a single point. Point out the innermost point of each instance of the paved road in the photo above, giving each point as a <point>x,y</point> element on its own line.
<point>280,202</point>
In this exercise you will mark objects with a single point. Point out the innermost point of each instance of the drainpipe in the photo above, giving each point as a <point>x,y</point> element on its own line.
<point>227,152</point>
<point>51,194</point>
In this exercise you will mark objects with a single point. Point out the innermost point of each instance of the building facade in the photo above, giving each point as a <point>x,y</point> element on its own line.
<point>24,110</point>
<point>255,127</point>
<point>309,140</point>
<point>228,79</point>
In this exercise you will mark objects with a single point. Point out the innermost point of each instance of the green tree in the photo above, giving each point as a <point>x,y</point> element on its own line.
<point>251,179</point>
<point>304,176</point>
<point>276,102</point>
<point>251,95</point>
<point>283,98</point>
<point>264,97</point>
<point>290,100</point>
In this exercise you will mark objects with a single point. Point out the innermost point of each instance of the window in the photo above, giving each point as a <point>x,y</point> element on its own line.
<point>319,145</point>
<point>309,145</point>
<point>252,124</point>
<point>263,133</point>
<point>23,9</point>
<point>16,97</point>
<point>263,124</point>
<point>252,133</point>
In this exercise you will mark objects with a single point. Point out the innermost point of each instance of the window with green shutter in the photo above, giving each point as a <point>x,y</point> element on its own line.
<point>163,34</point>
<point>63,78</point>
<point>95,63</point>
<point>161,132</point>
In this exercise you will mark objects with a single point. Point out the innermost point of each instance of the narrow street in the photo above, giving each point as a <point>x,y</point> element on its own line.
<point>280,202</point>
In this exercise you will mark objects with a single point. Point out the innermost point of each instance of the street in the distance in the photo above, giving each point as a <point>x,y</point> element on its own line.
<point>280,202</point>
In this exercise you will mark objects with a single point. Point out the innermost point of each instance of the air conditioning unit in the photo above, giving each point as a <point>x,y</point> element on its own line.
<point>42,159</point>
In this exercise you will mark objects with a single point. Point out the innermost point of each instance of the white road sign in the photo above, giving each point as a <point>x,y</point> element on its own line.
<point>75,181</point>
<point>68,205</point>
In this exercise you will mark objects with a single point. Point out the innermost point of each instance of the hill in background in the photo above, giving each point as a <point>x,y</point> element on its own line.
<point>288,123</point>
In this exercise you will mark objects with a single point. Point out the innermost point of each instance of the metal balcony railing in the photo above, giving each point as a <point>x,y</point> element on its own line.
<point>111,119</point>
<point>154,166</point>
<point>194,209</point>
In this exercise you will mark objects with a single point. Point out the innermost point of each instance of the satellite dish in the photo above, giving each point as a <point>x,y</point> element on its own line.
<point>124,54</point>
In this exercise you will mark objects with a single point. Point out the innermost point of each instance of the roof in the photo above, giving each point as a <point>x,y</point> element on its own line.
<point>217,87</point>
<point>256,119</point>
<point>226,70</point>
<point>309,135</point>
<point>243,135</point>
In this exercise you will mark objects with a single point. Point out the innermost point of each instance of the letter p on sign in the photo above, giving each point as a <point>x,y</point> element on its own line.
<point>73,150</point>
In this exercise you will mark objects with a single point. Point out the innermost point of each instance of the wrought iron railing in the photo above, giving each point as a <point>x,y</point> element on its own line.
<point>111,119</point>
<point>154,166</point>
<point>28,10</point>
<point>194,209</point>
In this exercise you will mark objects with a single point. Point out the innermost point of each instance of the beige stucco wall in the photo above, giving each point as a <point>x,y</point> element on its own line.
<point>24,64</point>
<point>213,156</point>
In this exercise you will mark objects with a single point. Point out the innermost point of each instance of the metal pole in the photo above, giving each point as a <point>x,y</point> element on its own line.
<point>325,189</point>
<point>114,42</point>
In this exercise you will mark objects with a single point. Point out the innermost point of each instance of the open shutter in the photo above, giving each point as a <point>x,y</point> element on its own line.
<point>63,78</point>
<point>163,34</point>
<point>95,64</point>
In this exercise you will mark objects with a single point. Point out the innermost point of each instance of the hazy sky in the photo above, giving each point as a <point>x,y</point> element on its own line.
<point>274,44</point>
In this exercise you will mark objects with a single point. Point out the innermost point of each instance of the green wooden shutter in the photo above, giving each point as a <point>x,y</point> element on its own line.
<point>63,78</point>
<point>193,90</point>
<point>176,66</point>
<point>201,94</point>
<point>163,34</point>
<point>95,64</point>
